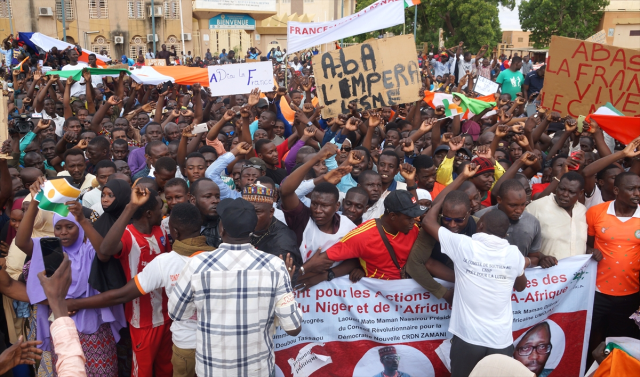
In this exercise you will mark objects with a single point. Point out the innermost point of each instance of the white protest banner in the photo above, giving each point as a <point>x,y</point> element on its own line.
<point>348,323</point>
<point>240,78</point>
<point>485,87</point>
<point>379,15</point>
<point>373,74</point>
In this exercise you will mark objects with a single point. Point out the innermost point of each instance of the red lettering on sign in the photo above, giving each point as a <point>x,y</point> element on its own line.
<point>549,66</point>
<point>635,60</point>
<point>628,100</point>
<point>582,49</point>
<point>581,95</point>
<point>598,95</point>
<point>569,108</point>
<point>615,78</point>
<point>615,104</point>
<point>598,48</point>
<point>555,102</point>
<point>634,80</point>
<point>616,59</point>
<point>564,64</point>
<point>600,71</point>
<point>580,73</point>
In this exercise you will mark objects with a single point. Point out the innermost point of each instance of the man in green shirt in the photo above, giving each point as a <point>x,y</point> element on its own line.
<point>511,79</point>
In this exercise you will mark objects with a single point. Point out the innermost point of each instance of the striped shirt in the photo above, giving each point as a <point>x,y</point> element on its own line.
<point>137,251</point>
<point>237,292</point>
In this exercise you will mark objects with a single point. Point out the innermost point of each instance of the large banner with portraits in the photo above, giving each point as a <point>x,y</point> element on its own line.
<point>359,329</point>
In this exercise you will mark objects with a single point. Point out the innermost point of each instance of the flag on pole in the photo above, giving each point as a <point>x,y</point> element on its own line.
<point>55,194</point>
<point>410,3</point>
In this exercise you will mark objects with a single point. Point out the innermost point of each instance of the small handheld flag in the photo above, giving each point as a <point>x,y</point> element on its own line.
<point>55,194</point>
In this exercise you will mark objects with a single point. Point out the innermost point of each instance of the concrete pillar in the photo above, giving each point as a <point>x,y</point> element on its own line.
<point>205,38</point>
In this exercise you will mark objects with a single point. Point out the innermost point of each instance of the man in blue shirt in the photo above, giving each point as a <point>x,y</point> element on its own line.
<point>533,82</point>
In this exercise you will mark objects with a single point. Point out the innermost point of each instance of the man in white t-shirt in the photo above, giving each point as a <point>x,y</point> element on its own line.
<point>163,272</point>
<point>78,87</point>
<point>487,270</point>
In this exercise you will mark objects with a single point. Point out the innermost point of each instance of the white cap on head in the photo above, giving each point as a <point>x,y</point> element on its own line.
<point>423,194</point>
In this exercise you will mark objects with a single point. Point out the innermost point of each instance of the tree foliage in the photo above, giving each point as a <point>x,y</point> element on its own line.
<point>568,18</point>
<point>473,21</point>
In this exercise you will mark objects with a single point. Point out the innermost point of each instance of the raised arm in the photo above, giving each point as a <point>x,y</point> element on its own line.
<point>288,188</point>
<point>112,244</point>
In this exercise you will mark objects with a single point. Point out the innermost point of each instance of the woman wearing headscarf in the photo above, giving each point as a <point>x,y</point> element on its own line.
<point>106,276</point>
<point>97,329</point>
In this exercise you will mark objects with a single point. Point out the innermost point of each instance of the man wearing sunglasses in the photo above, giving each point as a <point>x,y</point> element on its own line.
<point>426,259</point>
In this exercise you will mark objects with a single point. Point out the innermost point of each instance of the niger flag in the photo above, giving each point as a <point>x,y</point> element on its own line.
<point>624,129</point>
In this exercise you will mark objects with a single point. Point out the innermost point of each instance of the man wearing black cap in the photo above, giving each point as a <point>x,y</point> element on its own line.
<point>456,154</point>
<point>242,323</point>
<point>383,245</point>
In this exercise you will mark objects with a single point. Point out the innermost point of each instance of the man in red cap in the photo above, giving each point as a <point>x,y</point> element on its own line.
<point>390,361</point>
<point>484,179</point>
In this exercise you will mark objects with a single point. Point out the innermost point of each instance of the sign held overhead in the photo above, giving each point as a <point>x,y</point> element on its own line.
<point>373,74</point>
<point>240,78</point>
<point>582,76</point>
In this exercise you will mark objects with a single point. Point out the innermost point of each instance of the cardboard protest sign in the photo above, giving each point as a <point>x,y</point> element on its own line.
<point>582,76</point>
<point>599,37</point>
<point>240,78</point>
<point>155,62</point>
<point>373,74</point>
<point>346,324</point>
<point>485,86</point>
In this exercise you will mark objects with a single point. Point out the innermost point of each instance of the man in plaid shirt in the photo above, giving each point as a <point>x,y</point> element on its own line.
<point>236,291</point>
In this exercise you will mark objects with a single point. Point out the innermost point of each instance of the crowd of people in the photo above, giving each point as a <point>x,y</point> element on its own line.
<point>175,219</point>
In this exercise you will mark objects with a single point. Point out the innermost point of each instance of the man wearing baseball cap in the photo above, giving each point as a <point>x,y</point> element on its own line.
<point>220,280</point>
<point>383,245</point>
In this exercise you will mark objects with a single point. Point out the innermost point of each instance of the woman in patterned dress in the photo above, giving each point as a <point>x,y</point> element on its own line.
<point>97,329</point>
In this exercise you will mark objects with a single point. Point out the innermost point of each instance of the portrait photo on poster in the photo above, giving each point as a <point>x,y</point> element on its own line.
<point>400,359</point>
<point>540,348</point>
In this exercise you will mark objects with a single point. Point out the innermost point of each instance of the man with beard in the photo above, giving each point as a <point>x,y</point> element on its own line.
<point>426,259</point>
<point>354,204</point>
<point>205,195</point>
<point>534,348</point>
<point>390,361</point>
<point>524,228</point>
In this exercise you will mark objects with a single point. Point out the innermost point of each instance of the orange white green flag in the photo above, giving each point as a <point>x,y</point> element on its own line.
<point>410,3</point>
<point>55,193</point>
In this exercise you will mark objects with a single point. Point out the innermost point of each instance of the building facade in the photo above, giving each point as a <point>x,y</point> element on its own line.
<point>621,23</point>
<point>124,27</point>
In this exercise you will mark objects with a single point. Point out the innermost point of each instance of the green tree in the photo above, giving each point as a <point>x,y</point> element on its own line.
<point>473,21</point>
<point>568,18</point>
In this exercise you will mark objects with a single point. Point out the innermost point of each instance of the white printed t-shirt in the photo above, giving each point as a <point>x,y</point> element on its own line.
<point>486,268</point>
<point>163,272</point>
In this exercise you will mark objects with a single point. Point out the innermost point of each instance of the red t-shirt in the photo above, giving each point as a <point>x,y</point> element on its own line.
<point>365,242</point>
<point>138,250</point>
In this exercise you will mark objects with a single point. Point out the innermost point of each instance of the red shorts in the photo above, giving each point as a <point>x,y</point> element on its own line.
<point>152,351</point>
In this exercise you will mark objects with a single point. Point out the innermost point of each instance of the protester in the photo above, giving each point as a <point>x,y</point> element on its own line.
<point>272,297</point>
<point>376,188</point>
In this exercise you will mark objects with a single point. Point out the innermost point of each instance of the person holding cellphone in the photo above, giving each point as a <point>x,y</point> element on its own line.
<point>97,329</point>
